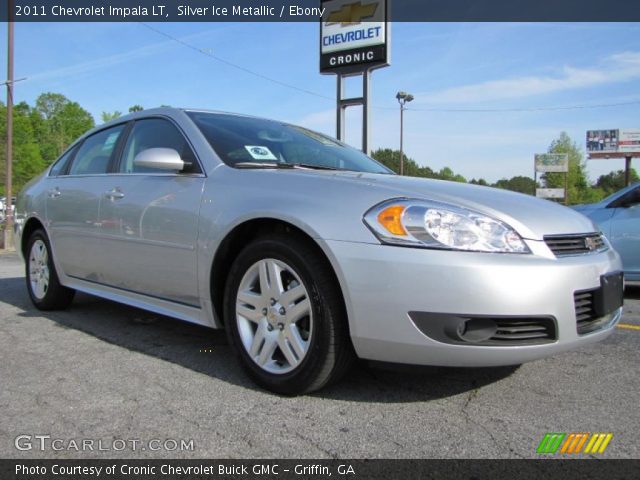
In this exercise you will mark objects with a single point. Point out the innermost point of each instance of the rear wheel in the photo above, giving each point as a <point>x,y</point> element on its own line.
<point>43,284</point>
<point>285,317</point>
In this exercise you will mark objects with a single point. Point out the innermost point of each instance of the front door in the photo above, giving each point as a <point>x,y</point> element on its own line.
<point>149,219</point>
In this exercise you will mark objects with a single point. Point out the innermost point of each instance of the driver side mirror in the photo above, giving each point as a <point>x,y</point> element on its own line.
<point>160,158</point>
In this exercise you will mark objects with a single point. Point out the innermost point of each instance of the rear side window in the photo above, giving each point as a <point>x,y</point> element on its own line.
<point>155,133</point>
<point>59,167</point>
<point>94,154</point>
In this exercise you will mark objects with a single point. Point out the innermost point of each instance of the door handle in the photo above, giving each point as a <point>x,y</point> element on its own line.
<point>114,194</point>
<point>54,192</point>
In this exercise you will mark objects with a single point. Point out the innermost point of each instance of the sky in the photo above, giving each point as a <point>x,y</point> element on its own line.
<point>509,69</point>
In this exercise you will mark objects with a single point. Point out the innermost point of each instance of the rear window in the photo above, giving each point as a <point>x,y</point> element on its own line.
<point>95,153</point>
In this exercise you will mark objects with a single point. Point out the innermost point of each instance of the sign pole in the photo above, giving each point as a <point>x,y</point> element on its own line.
<point>366,92</point>
<point>339,109</point>
<point>627,171</point>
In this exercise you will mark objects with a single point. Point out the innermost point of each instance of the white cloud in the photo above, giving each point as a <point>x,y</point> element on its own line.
<point>617,68</point>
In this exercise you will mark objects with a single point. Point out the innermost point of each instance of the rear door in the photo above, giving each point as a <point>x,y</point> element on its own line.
<point>74,191</point>
<point>149,218</point>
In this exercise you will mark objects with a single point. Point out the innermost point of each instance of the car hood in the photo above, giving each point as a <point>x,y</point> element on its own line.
<point>531,217</point>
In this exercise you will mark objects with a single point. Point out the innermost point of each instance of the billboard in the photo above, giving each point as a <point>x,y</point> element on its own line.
<point>552,162</point>
<point>629,140</point>
<point>602,141</point>
<point>354,35</point>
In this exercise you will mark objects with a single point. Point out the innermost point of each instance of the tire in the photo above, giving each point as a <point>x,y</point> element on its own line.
<point>43,284</point>
<point>300,342</point>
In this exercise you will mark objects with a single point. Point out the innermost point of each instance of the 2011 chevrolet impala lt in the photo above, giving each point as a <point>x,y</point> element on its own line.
<point>309,252</point>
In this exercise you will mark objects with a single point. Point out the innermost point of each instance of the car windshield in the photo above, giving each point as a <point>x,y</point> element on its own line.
<point>246,142</point>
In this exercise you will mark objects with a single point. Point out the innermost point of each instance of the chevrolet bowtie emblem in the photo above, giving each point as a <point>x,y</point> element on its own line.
<point>352,14</point>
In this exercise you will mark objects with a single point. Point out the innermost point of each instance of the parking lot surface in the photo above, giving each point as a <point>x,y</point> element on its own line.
<point>105,372</point>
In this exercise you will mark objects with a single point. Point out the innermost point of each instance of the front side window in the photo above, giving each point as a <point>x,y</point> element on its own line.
<point>155,133</point>
<point>94,154</point>
<point>245,141</point>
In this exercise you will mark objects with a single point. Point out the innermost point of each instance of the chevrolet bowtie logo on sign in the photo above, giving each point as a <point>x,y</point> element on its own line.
<point>573,443</point>
<point>354,36</point>
<point>352,14</point>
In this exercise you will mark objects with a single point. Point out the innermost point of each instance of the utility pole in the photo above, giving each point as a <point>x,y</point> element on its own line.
<point>8,233</point>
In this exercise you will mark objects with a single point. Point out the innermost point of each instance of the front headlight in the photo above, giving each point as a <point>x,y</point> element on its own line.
<point>438,225</point>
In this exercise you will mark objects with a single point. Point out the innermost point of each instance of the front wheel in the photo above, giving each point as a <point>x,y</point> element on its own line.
<point>43,285</point>
<point>285,316</point>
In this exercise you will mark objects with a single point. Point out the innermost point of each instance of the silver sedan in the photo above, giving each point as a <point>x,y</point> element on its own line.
<point>308,252</point>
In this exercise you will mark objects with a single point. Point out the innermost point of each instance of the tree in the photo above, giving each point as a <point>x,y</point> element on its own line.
<point>135,108</point>
<point>108,116</point>
<point>517,184</point>
<point>27,160</point>
<point>56,122</point>
<point>579,190</point>
<point>614,181</point>
<point>391,159</point>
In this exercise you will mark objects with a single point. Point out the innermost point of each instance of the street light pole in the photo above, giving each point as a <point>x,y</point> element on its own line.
<point>8,233</point>
<point>403,98</point>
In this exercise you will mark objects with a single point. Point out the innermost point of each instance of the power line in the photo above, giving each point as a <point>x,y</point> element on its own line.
<point>378,107</point>
<point>236,66</point>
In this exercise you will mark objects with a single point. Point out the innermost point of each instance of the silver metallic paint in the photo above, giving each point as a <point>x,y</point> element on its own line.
<point>165,265</point>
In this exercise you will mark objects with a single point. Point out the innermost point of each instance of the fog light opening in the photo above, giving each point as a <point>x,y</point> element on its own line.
<point>476,330</point>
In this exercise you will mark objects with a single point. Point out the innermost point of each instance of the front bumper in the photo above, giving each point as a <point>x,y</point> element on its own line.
<point>382,284</point>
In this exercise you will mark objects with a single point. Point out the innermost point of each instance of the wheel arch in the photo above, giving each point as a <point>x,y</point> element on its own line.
<point>243,234</point>
<point>30,226</point>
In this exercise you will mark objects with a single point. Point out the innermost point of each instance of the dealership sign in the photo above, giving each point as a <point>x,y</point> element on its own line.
<point>552,162</point>
<point>354,35</point>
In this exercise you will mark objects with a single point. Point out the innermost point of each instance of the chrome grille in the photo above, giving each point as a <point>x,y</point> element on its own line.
<point>565,245</point>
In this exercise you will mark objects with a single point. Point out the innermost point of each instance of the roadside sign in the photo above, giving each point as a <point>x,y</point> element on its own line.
<point>552,162</point>
<point>550,192</point>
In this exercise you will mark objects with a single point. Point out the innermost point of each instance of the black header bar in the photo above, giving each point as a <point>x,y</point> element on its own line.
<point>311,10</point>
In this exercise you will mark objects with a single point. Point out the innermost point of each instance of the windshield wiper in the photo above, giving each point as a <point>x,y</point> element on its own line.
<point>286,166</point>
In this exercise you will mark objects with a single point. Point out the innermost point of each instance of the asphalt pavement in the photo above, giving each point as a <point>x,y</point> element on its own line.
<point>113,375</point>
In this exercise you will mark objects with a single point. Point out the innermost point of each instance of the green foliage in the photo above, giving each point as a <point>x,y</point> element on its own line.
<point>614,181</point>
<point>136,108</point>
<point>391,159</point>
<point>518,184</point>
<point>27,159</point>
<point>56,122</point>
<point>108,116</point>
<point>578,188</point>
<point>40,134</point>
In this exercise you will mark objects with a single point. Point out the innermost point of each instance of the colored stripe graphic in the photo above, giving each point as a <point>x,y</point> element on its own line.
<point>551,442</point>
<point>574,442</point>
<point>598,443</point>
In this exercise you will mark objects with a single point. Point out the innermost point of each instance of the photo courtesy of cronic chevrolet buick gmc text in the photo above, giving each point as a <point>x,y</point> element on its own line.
<point>308,252</point>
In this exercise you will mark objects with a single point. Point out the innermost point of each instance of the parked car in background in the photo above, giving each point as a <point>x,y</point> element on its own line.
<point>618,217</point>
<point>309,252</point>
